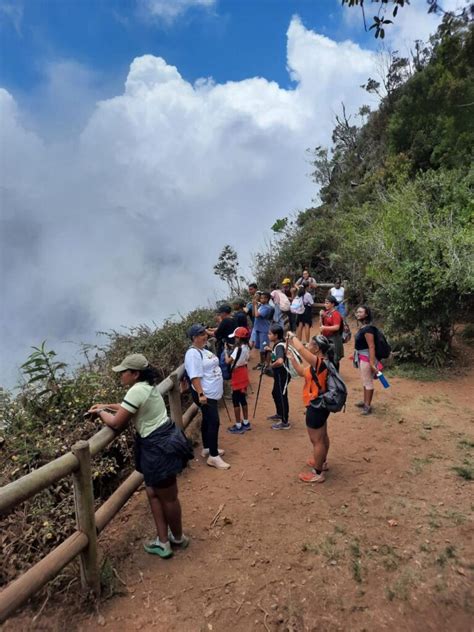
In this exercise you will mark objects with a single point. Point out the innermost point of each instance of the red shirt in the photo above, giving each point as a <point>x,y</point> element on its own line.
<point>330,318</point>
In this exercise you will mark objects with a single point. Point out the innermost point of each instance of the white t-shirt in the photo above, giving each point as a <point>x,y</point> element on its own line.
<point>337,293</point>
<point>244,356</point>
<point>204,364</point>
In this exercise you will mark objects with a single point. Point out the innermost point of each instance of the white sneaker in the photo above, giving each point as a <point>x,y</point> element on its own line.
<point>205,452</point>
<point>217,462</point>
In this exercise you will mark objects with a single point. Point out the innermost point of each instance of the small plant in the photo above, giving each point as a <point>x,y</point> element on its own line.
<point>41,367</point>
<point>464,471</point>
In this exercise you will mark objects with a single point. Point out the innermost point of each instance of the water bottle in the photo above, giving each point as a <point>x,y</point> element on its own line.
<point>383,379</point>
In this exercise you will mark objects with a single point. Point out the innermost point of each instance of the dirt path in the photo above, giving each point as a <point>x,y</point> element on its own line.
<point>385,543</point>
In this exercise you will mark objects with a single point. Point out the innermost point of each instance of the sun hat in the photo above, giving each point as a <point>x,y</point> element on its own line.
<point>240,332</point>
<point>286,281</point>
<point>196,330</point>
<point>134,362</point>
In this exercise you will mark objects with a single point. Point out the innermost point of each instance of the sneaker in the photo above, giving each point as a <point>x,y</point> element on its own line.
<point>274,418</point>
<point>218,463</point>
<point>236,430</point>
<point>367,410</point>
<point>360,404</point>
<point>312,463</point>
<point>281,426</point>
<point>155,547</point>
<point>183,543</point>
<point>312,477</point>
<point>247,426</point>
<point>205,452</point>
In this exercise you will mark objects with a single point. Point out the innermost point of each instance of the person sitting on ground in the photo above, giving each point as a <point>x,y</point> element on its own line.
<point>238,361</point>
<point>281,378</point>
<point>239,313</point>
<point>315,378</point>
<point>263,314</point>
<point>161,449</point>
<point>332,327</point>
<point>207,388</point>
<point>338,292</point>
<point>308,279</point>
<point>304,321</point>
<point>364,356</point>
<point>226,325</point>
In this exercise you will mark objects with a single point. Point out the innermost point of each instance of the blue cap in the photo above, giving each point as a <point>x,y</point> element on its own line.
<point>196,330</point>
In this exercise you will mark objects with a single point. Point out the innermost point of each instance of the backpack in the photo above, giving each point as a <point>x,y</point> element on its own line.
<point>382,348</point>
<point>185,381</point>
<point>228,368</point>
<point>289,367</point>
<point>297,305</point>
<point>335,396</point>
<point>284,302</point>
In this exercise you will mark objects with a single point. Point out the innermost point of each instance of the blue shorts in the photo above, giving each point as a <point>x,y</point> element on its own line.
<point>260,339</point>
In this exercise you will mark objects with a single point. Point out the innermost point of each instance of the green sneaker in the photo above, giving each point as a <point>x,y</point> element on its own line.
<point>162,550</point>
<point>182,544</point>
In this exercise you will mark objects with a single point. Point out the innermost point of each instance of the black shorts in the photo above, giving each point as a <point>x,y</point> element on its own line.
<point>316,417</point>
<point>306,318</point>
<point>239,398</point>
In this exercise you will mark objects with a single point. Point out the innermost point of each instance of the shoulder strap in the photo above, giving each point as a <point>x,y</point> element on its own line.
<point>198,350</point>
<point>239,353</point>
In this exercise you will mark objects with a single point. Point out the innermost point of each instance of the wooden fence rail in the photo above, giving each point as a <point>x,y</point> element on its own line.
<point>82,542</point>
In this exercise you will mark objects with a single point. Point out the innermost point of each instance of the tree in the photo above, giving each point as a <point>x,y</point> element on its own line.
<point>227,269</point>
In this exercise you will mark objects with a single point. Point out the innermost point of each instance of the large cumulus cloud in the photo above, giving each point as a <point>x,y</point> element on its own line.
<point>121,221</point>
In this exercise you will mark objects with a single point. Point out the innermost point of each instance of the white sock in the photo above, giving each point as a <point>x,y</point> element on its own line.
<point>164,545</point>
<point>238,424</point>
<point>245,422</point>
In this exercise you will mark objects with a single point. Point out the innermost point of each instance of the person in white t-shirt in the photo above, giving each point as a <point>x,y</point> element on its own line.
<point>338,292</point>
<point>161,449</point>
<point>207,388</point>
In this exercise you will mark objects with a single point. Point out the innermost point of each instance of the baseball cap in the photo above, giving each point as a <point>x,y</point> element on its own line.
<point>286,281</point>
<point>134,361</point>
<point>196,330</point>
<point>240,332</point>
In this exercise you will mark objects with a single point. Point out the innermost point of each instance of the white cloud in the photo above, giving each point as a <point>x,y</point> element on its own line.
<point>12,12</point>
<point>169,10</point>
<point>121,222</point>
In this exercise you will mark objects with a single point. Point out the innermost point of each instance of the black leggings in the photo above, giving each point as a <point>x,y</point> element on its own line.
<point>239,398</point>
<point>280,379</point>
<point>209,424</point>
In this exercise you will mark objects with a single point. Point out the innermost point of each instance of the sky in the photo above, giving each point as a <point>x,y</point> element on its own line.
<point>138,137</point>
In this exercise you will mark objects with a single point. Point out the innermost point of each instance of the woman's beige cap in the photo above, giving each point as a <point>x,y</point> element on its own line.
<point>134,361</point>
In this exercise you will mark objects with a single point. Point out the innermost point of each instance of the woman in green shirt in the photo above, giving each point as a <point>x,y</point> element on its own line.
<point>161,449</point>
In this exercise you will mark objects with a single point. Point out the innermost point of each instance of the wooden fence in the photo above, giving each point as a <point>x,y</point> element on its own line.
<point>82,542</point>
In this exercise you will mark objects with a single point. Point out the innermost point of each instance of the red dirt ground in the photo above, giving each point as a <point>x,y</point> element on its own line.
<point>384,544</point>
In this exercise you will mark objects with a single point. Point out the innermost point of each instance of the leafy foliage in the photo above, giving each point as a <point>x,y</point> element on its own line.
<point>227,269</point>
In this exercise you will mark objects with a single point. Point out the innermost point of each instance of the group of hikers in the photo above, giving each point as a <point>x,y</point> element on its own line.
<point>277,324</point>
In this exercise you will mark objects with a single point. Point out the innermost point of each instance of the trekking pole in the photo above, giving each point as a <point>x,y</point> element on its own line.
<point>227,410</point>
<point>258,391</point>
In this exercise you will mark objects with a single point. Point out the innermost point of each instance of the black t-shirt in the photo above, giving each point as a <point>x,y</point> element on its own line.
<point>226,327</point>
<point>360,341</point>
<point>241,319</point>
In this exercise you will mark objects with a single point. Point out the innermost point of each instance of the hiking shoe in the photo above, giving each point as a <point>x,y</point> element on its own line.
<point>312,463</point>
<point>247,426</point>
<point>218,463</point>
<point>236,430</point>
<point>258,366</point>
<point>311,477</point>
<point>183,543</point>
<point>205,452</point>
<point>360,404</point>
<point>281,426</point>
<point>367,410</point>
<point>274,418</point>
<point>155,547</point>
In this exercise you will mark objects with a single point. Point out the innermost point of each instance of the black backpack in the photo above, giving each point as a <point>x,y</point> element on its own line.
<point>382,348</point>
<point>335,396</point>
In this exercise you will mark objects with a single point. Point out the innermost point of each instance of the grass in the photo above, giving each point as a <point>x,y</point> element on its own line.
<point>449,553</point>
<point>418,464</point>
<point>356,564</point>
<point>466,444</point>
<point>400,589</point>
<point>464,471</point>
<point>413,371</point>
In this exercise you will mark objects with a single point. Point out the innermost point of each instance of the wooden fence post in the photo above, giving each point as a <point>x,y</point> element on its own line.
<point>174,398</point>
<point>85,517</point>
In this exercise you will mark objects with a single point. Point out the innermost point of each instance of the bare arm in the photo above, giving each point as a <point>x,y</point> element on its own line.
<point>305,354</point>
<point>371,345</point>
<point>196,382</point>
<point>96,407</point>
<point>296,365</point>
<point>116,421</point>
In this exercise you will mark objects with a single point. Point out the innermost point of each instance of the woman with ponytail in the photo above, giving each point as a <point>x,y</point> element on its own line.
<point>161,449</point>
